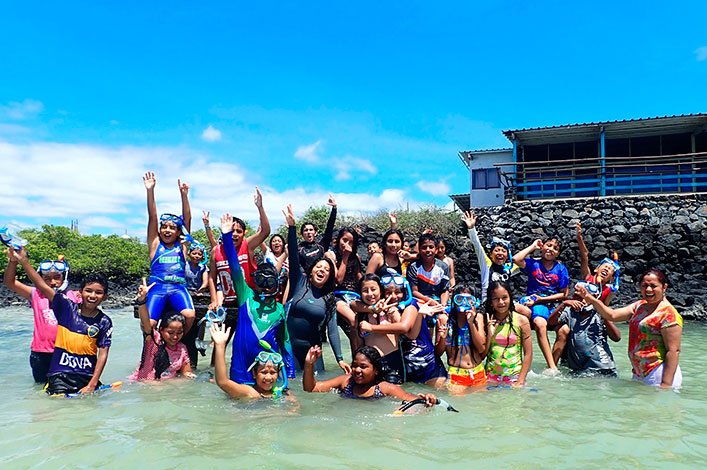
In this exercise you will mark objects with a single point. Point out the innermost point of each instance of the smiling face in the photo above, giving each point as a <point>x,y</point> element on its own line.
<point>652,290</point>
<point>604,273</point>
<point>237,234</point>
<point>276,245</point>
<point>499,255</point>
<point>320,273</point>
<point>370,292</point>
<point>169,232</point>
<point>53,278</point>
<point>500,300</point>
<point>172,333</point>
<point>428,250</point>
<point>308,233</point>
<point>394,291</point>
<point>373,247</point>
<point>265,376</point>
<point>393,244</point>
<point>551,250</point>
<point>92,294</point>
<point>196,256</point>
<point>441,249</point>
<point>362,371</point>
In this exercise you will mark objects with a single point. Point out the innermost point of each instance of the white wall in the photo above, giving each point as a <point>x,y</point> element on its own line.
<point>486,159</point>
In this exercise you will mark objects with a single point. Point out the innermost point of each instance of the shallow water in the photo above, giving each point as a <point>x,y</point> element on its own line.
<point>564,422</point>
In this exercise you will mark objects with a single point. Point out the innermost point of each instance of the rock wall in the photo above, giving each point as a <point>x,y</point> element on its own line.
<point>668,232</point>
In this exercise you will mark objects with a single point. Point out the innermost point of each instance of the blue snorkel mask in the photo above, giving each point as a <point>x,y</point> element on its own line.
<point>403,284</point>
<point>614,286</point>
<point>176,219</point>
<point>269,355</point>
<point>195,245</point>
<point>9,237</point>
<point>58,265</point>
<point>466,302</point>
<point>219,316</point>
<point>495,241</point>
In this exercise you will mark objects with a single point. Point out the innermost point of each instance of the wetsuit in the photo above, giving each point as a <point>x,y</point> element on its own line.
<point>257,320</point>
<point>167,272</point>
<point>310,312</point>
<point>309,252</point>
<point>421,362</point>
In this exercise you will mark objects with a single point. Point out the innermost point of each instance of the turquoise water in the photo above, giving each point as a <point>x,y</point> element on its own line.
<point>191,424</point>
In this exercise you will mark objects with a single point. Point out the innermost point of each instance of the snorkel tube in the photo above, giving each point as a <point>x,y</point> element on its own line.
<point>495,241</point>
<point>614,263</point>
<point>421,401</point>
<point>408,296</point>
<point>52,267</point>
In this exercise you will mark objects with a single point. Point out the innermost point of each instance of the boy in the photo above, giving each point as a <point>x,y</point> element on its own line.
<point>548,283</point>
<point>428,276</point>
<point>83,333</point>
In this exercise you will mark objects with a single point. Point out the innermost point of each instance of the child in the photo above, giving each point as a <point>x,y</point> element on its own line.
<point>260,317</point>
<point>364,382</point>
<point>266,370</point>
<point>56,274</point>
<point>83,333</point>
<point>168,256</point>
<point>548,283</point>
<point>196,270</point>
<point>496,266</point>
<point>163,355</point>
<point>510,349</point>
<point>464,340</point>
<point>587,350</point>
<point>442,256</point>
<point>428,276</point>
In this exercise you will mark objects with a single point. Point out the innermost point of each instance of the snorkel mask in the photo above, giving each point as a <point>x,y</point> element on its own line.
<point>59,265</point>
<point>195,245</point>
<point>495,241</point>
<point>267,280</point>
<point>466,302</point>
<point>219,316</point>
<point>269,355</point>
<point>590,287</point>
<point>614,263</point>
<point>176,219</point>
<point>9,237</point>
<point>403,284</point>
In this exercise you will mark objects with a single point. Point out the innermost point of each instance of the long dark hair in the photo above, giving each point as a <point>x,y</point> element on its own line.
<point>162,361</point>
<point>331,281</point>
<point>374,357</point>
<point>511,308</point>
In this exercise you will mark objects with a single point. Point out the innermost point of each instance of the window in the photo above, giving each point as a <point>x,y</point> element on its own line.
<point>485,178</point>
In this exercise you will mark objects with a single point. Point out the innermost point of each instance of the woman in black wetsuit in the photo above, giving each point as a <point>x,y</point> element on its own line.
<point>389,261</point>
<point>311,304</point>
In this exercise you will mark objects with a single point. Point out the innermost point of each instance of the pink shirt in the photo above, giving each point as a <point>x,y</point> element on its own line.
<point>178,356</point>
<point>44,334</point>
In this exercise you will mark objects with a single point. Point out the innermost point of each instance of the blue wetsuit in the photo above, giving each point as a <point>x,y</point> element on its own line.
<point>167,271</point>
<point>421,362</point>
<point>257,320</point>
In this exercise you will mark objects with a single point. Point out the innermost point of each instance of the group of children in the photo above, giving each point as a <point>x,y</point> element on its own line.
<point>402,313</point>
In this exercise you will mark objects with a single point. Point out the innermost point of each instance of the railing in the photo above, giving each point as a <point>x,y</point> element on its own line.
<point>588,177</point>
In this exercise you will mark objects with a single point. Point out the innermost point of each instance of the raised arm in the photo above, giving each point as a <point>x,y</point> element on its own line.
<point>310,384</point>
<point>329,230</point>
<point>141,300</point>
<point>607,313</point>
<point>10,277</point>
<point>519,258</point>
<point>186,208</point>
<point>32,274</point>
<point>152,224</point>
<point>219,335</point>
<point>393,219</point>
<point>583,252</point>
<point>207,228</point>
<point>294,269</point>
<point>261,235</point>
<point>243,292</point>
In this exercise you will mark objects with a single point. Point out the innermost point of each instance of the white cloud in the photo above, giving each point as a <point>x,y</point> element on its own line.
<point>346,165</point>
<point>435,188</point>
<point>701,53</point>
<point>21,110</point>
<point>308,153</point>
<point>211,134</point>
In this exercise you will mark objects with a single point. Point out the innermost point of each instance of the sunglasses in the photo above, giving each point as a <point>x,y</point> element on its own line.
<point>398,281</point>
<point>264,357</point>
<point>48,265</point>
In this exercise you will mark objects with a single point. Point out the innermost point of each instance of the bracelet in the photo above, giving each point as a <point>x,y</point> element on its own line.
<point>141,302</point>
<point>207,227</point>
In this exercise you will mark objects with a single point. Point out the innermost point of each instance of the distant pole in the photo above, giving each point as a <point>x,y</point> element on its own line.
<point>602,162</point>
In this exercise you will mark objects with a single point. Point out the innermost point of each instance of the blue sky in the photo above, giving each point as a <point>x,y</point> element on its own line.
<point>368,100</point>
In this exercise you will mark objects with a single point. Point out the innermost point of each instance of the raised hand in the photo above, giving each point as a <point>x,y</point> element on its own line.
<point>428,231</point>
<point>258,198</point>
<point>346,247</point>
<point>469,219</point>
<point>582,292</point>
<point>183,187</point>
<point>538,244</point>
<point>219,333</point>
<point>143,289</point>
<point>345,367</point>
<point>149,180</point>
<point>331,201</point>
<point>205,218</point>
<point>289,216</point>
<point>313,354</point>
<point>393,219</point>
<point>578,229</point>
<point>429,310</point>
<point>226,223</point>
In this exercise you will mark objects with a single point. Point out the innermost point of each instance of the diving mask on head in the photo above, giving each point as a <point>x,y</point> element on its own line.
<point>269,355</point>
<point>195,245</point>
<point>614,263</point>
<point>176,219</point>
<point>58,265</point>
<point>466,302</point>
<point>495,241</point>
<point>403,284</point>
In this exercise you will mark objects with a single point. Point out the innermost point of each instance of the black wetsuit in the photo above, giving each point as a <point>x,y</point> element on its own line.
<point>309,252</point>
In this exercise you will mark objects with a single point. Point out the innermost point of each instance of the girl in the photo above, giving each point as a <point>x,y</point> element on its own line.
<point>442,256</point>
<point>497,265</point>
<point>311,304</point>
<point>348,275</point>
<point>168,256</point>
<point>163,355</point>
<point>654,332</point>
<point>389,261</point>
<point>364,382</point>
<point>387,345</point>
<point>55,273</point>
<point>510,349</point>
<point>464,340</point>
<point>266,370</point>
<point>196,270</point>
<point>422,365</point>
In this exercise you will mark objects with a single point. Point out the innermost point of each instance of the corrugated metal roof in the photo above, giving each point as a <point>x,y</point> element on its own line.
<point>509,149</point>
<point>463,201</point>
<point>660,125</point>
